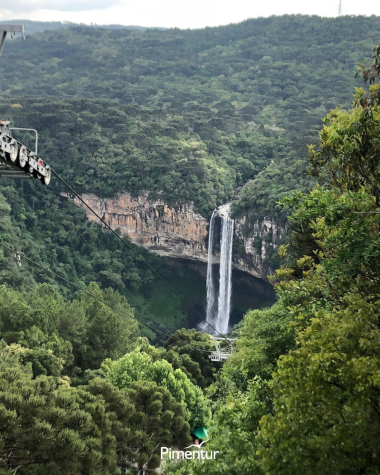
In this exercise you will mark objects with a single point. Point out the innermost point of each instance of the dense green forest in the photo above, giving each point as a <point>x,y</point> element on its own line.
<point>82,388</point>
<point>81,392</point>
<point>300,395</point>
<point>225,105</point>
<point>55,233</point>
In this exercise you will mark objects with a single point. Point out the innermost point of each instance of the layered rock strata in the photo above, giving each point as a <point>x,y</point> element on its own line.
<point>179,232</point>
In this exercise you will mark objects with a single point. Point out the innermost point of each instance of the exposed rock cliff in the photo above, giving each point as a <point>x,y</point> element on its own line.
<point>179,232</point>
<point>259,238</point>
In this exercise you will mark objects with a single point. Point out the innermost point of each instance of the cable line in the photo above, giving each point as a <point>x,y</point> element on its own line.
<point>131,248</point>
<point>103,261</point>
<point>76,286</point>
<point>166,334</point>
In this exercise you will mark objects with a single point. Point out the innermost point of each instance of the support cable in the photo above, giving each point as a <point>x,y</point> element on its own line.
<point>168,332</point>
<point>131,248</point>
<point>106,265</point>
<point>78,288</point>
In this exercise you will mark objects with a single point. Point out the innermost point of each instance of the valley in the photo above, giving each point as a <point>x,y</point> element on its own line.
<point>227,293</point>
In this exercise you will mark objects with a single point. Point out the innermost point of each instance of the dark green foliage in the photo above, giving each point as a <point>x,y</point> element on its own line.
<point>66,337</point>
<point>45,231</point>
<point>191,114</point>
<point>156,420</point>
<point>46,428</point>
<point>143,419</point>
<point>260,197</point>
<point>184,351</point>
<point>103,147</point>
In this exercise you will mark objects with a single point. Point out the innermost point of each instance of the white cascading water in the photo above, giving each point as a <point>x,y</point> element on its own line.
<point>210,315</point>
<point>220,319</point>
<point>225,284</point>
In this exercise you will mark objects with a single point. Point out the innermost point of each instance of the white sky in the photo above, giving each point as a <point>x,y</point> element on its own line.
<point>175,13</point>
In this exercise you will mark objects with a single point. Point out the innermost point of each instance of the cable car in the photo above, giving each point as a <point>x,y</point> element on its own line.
<point>222,351</point>
<point>17,161</point>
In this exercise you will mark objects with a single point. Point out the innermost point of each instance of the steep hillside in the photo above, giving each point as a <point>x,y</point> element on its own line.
<point>251,92</point>
<point>206,116</point>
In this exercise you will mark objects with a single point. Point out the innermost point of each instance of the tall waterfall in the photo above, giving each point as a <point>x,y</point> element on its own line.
<point>220,319</point>
<point>209,282</point>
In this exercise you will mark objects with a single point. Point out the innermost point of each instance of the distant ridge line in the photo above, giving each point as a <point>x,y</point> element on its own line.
<point>40,26</point>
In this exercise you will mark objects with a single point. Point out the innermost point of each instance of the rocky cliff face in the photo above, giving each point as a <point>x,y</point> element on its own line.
<point>259,237</point>
<point>179,232</point>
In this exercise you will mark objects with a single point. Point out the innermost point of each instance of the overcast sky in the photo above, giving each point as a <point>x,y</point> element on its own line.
<point>175,13</point>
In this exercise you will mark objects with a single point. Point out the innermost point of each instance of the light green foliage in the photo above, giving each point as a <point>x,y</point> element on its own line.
<point>339,158</point>
<point>139,366</point>
<point>48,354</point>
<point>326,396</point>
<point>262,338</point>
<point>11,357</point>
<point>348,153</point>
<point>326,390</point>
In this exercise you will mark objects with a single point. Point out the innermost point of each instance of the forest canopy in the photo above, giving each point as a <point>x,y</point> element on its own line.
<point>82,391</point>
<point>190,114</point>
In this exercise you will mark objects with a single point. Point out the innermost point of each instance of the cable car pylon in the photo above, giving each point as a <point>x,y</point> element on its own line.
<point>17,160</point>
<point>221,353</point>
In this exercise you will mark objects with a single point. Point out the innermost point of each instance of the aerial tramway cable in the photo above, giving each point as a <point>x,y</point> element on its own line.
<point>108,267</point>
<point>167,333</point>
<point>131,248</point>
<point>83,290</point>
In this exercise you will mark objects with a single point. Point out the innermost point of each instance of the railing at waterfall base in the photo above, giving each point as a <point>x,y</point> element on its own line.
<point>222,352</point>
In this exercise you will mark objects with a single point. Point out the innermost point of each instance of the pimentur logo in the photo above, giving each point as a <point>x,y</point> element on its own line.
<point>189,454</point>
<point>195,445</point>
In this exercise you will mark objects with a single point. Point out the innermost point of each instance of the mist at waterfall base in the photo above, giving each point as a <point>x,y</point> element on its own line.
<point>217,293</point>
<point>189,279</point>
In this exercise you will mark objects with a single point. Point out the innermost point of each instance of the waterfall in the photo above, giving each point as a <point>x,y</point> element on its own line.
<point>225,284</point>
<point>210,315</point>
<point>220,319</point>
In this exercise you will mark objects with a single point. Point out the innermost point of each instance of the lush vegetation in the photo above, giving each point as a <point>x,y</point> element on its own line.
<point>55,233</point>
<point>49,427</point>
<point>300,395</point>
<point>83,392</point>
<point>190,114</point>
